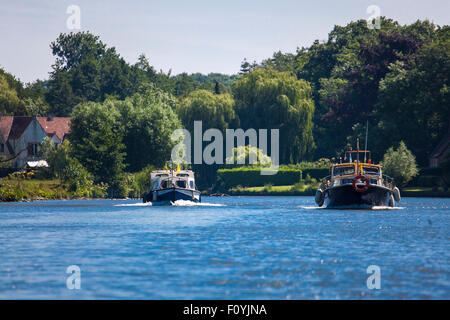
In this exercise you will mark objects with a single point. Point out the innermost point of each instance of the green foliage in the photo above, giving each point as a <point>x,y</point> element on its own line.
<point>139,182</point>
<point>214,110</point>
<point>269,99</point>
<point>298,187</point>
<point>147,121</point>
<point>57,157</point>
<point>400,164</point>
<point>96,139</point>
<point>86,70</point>
<point>80,181</point>
<point>418,92</point>
<point>10,103</point>
<point>250,177</point>
<point>243,154</point>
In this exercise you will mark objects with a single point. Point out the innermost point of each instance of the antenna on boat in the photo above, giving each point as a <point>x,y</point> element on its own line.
<point>367,131</point>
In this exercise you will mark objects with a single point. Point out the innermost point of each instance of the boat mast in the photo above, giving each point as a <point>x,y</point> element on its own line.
<point>365,149</point>
<point>357,155</point>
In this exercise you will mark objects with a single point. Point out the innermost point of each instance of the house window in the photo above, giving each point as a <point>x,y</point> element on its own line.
<point>33,149</point>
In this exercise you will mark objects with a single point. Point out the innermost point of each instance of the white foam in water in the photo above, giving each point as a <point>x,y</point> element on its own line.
<point>387,208</point>
<point>187,203</point>
<point>139,204</point>
<point>178,203</point>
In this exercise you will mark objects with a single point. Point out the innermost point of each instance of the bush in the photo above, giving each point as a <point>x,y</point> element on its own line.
<point>8,195</point>
<point>316,173</point>
<point>299,186</point>
<point>400,164</point>
<point>251,177</point>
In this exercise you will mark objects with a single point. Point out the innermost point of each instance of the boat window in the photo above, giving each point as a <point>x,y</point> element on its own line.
<point>181,184</point>
<point>371,170</point>
<point>166,184</point>
<point>191,184</point>
<point>339,171</point>
<point>182,175</point>
<point>162,175</point>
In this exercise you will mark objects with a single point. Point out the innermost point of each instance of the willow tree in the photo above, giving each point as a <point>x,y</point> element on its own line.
<point>214,111</point>
<point>269,99</point>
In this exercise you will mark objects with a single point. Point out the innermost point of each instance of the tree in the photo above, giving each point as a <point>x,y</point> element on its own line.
<point>97,141</point>
<point>147,120</point>
<point>214,110</point>
<point>269,99</point>
<point>419,93</point>
<point>400,164</point>
<point>244,153</point>
<point>36,107</point>
<point>10,103</point>
<point>57,157</point>
<point>87,70</point>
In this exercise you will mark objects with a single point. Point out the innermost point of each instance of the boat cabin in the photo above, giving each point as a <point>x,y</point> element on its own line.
<point>344,173</point>
<point>167,179</point>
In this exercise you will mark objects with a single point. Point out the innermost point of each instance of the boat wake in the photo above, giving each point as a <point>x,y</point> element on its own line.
<point>187,203</point>
<point>178,203</point>
<point>387,208</point>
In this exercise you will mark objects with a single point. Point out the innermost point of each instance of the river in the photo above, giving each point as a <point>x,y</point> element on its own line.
<point>225,248</point>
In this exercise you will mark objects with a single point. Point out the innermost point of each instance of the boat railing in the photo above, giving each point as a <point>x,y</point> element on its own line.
<point>388,181</point>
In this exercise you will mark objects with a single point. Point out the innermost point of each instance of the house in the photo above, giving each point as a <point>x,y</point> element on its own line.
<point>440,153</point>
<point>20,136</point>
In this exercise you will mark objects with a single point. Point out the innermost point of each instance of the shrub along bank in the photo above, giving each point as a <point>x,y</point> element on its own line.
<point>252,177</point>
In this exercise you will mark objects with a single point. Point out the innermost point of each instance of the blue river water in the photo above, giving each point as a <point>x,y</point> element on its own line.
<point>225,248</point>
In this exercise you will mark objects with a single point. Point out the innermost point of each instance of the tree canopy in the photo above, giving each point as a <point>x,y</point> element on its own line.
<point>270,99</point>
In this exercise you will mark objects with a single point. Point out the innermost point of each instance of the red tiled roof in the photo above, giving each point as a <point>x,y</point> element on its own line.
<point>5,126</point>
<point>58,125</point>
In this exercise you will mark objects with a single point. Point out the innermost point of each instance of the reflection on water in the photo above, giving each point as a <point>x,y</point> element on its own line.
<point>224,248</point>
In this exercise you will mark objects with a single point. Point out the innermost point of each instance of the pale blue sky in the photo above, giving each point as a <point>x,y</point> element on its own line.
<point>188,36</point>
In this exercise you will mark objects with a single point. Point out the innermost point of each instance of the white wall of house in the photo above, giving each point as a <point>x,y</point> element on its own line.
<point>32,134</point>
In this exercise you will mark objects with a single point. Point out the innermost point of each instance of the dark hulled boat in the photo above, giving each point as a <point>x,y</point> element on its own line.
<point>357,185</point>
<point>169,186</point>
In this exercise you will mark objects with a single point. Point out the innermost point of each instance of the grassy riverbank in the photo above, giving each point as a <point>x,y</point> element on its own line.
<point>20,190</point>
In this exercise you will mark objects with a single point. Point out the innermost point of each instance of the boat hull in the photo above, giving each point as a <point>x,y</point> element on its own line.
<point>346,196</point>
<point>168,196</point>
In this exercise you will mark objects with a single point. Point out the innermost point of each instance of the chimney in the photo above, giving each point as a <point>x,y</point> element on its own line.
<point>50,118</point>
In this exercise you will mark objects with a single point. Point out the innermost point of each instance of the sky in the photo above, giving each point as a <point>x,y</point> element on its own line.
<point>188,35</point>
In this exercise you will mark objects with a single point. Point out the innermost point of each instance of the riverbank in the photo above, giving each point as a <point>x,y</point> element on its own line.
<point>26,190</point>
<point>13,190</point>
<point>53,189</point>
